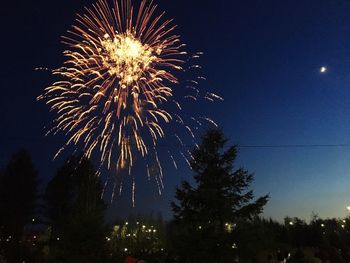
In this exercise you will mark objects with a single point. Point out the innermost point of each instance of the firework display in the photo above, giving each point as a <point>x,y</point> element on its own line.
<point>113,93</point>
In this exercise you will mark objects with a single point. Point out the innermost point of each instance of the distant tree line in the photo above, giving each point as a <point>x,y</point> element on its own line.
<point>216,218</point>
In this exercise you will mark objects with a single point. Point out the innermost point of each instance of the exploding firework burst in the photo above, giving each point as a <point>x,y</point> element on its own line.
<point>114,89</point>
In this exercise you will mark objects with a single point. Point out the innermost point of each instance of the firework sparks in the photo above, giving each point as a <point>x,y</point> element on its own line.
<point>113,91</point>
<point>115,79</point>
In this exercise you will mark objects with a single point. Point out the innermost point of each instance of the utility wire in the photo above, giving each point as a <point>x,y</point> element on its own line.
<point>341,145</point>
<point>295,146</point>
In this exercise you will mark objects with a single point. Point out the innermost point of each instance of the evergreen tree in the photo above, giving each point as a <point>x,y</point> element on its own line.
<point>18,195</point>
<point>76,212</point>
<point>59,194</point>
<point>206,214</point>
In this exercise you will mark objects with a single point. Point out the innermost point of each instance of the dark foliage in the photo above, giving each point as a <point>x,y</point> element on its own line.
<point>18,195</point>
<point>76,213</point>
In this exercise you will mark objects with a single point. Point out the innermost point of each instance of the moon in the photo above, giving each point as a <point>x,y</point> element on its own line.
<point>323,70</point>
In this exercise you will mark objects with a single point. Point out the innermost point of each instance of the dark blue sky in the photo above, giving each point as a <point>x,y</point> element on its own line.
<point>263,57</point>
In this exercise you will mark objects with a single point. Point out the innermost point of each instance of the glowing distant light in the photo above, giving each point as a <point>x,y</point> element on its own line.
<point>291,223</point>
<point>348,208</point>
<point>322,225</point>
<point>323,69</point>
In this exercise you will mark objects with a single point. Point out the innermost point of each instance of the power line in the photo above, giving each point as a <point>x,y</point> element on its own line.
<point>341,145</point>
<point>295,146</point>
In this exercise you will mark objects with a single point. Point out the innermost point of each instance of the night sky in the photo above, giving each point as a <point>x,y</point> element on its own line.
<point>264,57</point>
